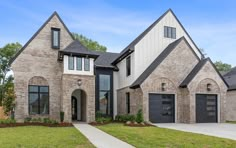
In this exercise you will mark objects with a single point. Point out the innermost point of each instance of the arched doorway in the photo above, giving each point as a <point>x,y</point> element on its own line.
<point>78,105</point>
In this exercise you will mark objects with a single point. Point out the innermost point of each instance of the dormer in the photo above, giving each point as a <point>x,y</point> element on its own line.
<point>77,59</point>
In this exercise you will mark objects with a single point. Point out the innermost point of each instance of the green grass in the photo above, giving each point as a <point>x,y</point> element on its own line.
<point>233,122</point>
<point>42,137</point>
<point>152,137</point>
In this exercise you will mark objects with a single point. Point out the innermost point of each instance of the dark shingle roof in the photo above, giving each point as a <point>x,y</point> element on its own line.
<point>54,14</point>
<point>77,48</point>
<point>230,78</point>
<point>196,69</point>
<point>105,59</point>
<point>130,47</point>
<point>193,73</point>
<point>156,62</point>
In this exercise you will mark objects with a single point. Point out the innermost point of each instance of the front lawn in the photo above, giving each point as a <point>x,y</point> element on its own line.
<point>233,122</point>
<point>151,137</point>
<point>39,136</point>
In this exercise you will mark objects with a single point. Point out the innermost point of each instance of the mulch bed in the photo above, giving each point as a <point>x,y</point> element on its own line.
<point>36,124</point>
<point>138,125</point>
<point>98,124</point>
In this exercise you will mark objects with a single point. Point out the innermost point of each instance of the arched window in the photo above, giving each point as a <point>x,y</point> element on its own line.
<point>38,96</point>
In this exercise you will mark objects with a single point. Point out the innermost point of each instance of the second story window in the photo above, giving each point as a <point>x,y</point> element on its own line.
<point>78,63</point>
<point>55,38</point>
<point>169,32</point>
<point>71,63</point>
<point>128,66</point>
<point>86,64</point>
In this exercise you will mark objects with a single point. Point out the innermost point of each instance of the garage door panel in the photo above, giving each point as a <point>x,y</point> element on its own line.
<point>206,108</point>
<point>161,108</point>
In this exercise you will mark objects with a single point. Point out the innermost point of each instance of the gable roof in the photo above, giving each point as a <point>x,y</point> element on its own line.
<point>76,48</point>
<point>44,24</point>
<point>196,69</point>
<point>130,48</point>
<point>230,78</point>
<point>158,61</point>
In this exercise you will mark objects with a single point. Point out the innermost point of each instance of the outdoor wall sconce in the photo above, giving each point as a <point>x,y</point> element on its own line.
<point>208,87</point>
<point>163,86</point>
<point>79,82</point>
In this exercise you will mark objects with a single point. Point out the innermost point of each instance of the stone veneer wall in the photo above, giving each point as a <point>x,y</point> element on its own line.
<point>172,71</point>
<point>39,59</point>
<point>231,106</point>
<point>199,86</point>
<point>135,100</point>
<point>69,85</point>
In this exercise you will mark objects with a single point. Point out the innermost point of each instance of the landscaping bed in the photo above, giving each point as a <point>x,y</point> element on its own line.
<point>4,125</point>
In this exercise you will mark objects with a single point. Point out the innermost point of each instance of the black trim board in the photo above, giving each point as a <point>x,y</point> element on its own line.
<point>159,60</point>
<point>29,41</point>
<point>196,69</point>
<point>124,52</point>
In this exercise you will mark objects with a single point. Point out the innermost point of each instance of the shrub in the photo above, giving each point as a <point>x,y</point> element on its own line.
<point>7,121</point>
<point>125,118</point>
<point>99,114</point>
<point>62,116</point>
<point>46,120</point>
<point>139,116</point>
<point>103,119</point>
<point>27,119</point>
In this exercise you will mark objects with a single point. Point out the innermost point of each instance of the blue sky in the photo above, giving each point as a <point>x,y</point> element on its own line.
<point>115,23</point>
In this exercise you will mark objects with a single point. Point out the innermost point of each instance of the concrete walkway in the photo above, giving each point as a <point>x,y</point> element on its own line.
<point>223,130</point>
<point>99,138</point>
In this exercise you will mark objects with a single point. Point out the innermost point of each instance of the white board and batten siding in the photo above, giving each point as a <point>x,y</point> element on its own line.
<point>149,48</point>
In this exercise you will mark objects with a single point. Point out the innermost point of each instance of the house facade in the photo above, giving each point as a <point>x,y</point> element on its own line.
<point>161,72</point>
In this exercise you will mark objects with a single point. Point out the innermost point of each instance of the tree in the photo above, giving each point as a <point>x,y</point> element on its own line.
<point>89,43</point>
<point>222,67</point>
<point>6,53</point>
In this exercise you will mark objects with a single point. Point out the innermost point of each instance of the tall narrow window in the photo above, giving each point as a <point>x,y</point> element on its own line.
<point>78,63</point>
<point>104,94</point>
<point>71,63</point>
<point>169,32</point>
<point>86,64</point>
<point>128,66</point>
<point>55,38</point>
<point>127,103</point>
<point>38,99</point>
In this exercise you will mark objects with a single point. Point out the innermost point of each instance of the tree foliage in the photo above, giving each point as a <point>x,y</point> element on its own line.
<point>89,43</point>
<point>222,67</point>
<point>6,82</point>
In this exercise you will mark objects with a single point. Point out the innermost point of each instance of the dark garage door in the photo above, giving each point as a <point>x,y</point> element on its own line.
<point>161,108</point>
<point>206,108</point>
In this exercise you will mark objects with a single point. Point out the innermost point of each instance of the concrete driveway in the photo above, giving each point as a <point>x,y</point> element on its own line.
<point>223,130</point>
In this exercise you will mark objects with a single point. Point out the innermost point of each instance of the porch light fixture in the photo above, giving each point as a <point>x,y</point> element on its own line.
<point>163,86</point>
<point>79,82</point>
<point>208,87</point>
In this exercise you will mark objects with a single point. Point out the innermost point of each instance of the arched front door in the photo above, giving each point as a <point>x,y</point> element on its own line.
<point>78,105</point>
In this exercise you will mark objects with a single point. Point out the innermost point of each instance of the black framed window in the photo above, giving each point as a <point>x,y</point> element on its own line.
<point>78,63</point>
<point>86,64</point>
<point>169,32</point>
<point>55,38</point>
<point>71,63</point>
<point>104,94</point>
<point>128,66</point>
<point>38,99</point>
<point>127,102</point>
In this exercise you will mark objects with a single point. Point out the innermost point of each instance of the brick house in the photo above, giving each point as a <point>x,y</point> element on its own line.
<point>162,72</point>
